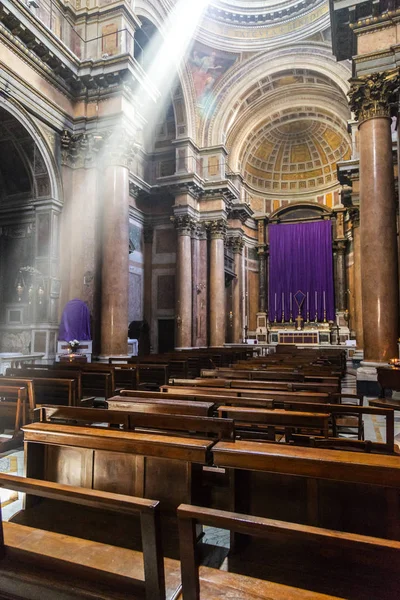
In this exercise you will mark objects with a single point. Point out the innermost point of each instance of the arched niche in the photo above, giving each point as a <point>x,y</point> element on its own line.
<point>30,207</point>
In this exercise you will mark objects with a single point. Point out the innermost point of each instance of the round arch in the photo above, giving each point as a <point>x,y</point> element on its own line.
<point>23,117</point>
<point>254,73</point>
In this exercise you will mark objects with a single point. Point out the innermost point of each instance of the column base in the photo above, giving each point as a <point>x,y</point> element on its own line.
<point>367,379</point>
<point>105,357</point>
<point>262,327</point>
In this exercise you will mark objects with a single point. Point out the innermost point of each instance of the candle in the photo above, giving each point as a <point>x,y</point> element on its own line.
<point>308,304</point>
<point>275,305</point>
<point>283,305</point>
<point>290,300</point>
<point>316,301</point>
<point>324,300</point>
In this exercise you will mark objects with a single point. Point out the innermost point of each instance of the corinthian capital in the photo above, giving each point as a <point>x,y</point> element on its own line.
<point>217,229</point>
<point>370,96</point>
<point>184,224</point>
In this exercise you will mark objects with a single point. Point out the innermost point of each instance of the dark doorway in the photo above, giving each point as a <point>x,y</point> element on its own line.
<point>166,335</point>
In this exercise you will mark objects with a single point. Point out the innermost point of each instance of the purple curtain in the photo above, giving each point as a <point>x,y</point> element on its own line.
<point>75,322</point>
<point>300,258</point>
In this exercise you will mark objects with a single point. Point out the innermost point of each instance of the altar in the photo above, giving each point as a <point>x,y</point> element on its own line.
<point>304,337</point>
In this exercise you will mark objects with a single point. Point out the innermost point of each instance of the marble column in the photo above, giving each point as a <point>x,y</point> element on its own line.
<point>217,282</point>
<point>237,291</point>
<point>148,272</point>
<point>115,259</point>
<point>184,225</point>
<point>340,273</point>
<point>262,280</point>
<point>369,98</point>
<point>358,326</point>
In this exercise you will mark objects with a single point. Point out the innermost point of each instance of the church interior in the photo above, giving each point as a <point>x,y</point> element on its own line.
<point>199,299</point>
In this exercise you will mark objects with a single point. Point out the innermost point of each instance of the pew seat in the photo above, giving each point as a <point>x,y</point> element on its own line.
<point>320,560</point>
<point>47,564</point>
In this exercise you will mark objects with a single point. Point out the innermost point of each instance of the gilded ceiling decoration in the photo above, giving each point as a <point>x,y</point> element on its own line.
<point>255,24</point>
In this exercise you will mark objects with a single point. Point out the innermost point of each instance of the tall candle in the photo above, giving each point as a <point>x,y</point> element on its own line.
<point>316,301</point>
<point>283,304</point>
<point>290,300</point>
<point>308,304</point>
<point>324,300</point>
<point>275,301</point>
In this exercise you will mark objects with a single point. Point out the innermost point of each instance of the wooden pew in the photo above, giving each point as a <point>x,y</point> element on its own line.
<point>315,486</point>
<point>261,423</point>
<point>327,388</point>
<point>48,389</point>
<point>315,560</point>
<point>222,429</point>
<point>13,412</point>
<point>265,375</point>
<point>278,395</point>
<point>161,406</point>
<point>340,411</point>
<point>49,371</point>
<point>39,563</point>
<point>98,379</point>
<point>21,382</point>
<point>129,462</point>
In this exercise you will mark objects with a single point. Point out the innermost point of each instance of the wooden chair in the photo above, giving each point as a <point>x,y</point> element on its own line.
<point>34,561</point>
<point>13,412</point>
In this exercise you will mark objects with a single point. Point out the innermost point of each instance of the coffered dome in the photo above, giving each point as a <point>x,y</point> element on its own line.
<point>295,151</point>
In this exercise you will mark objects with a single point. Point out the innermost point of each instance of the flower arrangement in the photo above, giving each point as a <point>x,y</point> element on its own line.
<point>73,345</point>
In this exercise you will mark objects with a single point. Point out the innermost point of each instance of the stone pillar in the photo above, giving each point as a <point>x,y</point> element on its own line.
<point>148,273</point>
<point>358,326</point>
<point>237,290</point>
<point>184,225</point>
<point>263,274</point>
<point>369,98</point>
<point>217,282</point>
<point>115,261</point>
<point>340,275</point>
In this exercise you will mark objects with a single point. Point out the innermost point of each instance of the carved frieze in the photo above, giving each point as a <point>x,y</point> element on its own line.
<point>370,96</point>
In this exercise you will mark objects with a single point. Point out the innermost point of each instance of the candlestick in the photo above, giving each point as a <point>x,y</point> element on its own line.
<point>275,309</point>
<point>323,295</point>
<point>308,304</point>
<point>316,306</point>
<point>291,308</point>
<point>283,307</point>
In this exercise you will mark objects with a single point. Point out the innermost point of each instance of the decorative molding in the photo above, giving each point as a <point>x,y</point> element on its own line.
<point>370,96</point>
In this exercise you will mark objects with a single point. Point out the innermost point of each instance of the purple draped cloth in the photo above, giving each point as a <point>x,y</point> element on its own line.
<point>75,322</point>
<point>300,258</point>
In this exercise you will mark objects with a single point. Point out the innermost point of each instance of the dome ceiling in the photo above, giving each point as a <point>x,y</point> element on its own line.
<point>295,151</point>
<point>251,25</point>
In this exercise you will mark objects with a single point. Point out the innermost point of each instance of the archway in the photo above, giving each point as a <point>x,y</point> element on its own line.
<point>29,223</point>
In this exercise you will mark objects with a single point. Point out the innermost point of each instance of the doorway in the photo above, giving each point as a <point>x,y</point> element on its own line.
<point>166,335</point>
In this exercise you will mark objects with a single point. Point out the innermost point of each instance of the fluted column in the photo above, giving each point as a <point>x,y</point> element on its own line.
<point>184,225</point>
<point>237,285</point>
<point>217,282</point>
<point>370,97</point>
<point>262,279</point>
<point>115,267</point>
